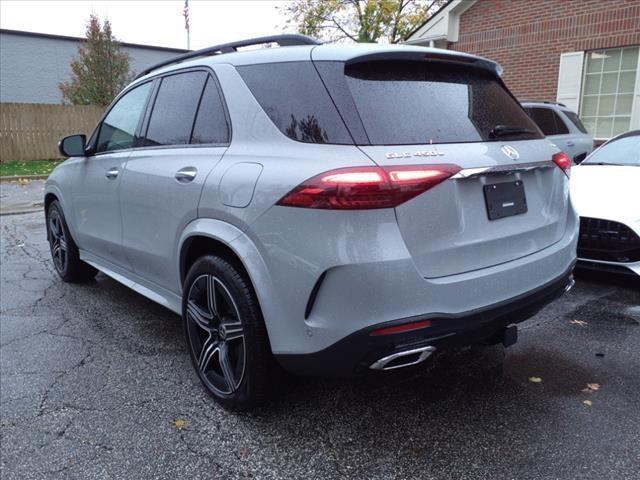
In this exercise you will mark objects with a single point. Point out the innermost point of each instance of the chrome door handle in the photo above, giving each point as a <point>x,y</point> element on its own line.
<point>186,174</point>
<point>112,173</point>
<point>571,144</point>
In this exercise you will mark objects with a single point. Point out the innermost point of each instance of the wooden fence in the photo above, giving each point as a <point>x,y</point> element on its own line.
<point>30,131</point>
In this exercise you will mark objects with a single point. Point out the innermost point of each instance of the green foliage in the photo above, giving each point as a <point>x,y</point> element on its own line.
<point>360,20</point>
<point>31,167</point>
<point>101,69</point>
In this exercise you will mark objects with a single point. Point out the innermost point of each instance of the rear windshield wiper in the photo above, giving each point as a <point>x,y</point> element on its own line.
<point>506,130</point>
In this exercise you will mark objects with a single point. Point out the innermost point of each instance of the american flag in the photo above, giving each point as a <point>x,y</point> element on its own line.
<point>185,14</point>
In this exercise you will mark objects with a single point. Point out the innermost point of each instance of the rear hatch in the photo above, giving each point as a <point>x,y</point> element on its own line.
<point>508,201</point>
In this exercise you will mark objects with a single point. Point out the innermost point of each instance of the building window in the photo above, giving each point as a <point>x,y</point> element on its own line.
<point>608,90</point>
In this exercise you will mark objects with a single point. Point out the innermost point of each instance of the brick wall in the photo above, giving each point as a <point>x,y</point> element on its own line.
<point>527,36</point>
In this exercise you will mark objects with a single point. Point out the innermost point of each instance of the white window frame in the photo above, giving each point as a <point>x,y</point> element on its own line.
<point>634,121</point>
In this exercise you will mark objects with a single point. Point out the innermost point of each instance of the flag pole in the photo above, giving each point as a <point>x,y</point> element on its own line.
<point>185,14</point>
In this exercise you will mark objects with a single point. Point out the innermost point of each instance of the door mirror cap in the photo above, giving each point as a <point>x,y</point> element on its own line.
<point>73,146</point>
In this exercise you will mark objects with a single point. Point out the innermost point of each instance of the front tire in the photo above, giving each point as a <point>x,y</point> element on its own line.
<point>64,251</point>
<point>226,335</point>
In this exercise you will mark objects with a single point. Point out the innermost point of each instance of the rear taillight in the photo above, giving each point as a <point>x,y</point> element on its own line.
<point>361,188</point>
<point>563,161</point>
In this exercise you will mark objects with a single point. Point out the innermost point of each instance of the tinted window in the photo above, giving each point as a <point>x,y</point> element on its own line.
<point>174,109</point>
<point>295,99</point>
<point>118,128</point>
<point>404,102</point>
<point>548,121</point>
<point>575,120</point>
<point>211,122</point>
<point>622,151</point>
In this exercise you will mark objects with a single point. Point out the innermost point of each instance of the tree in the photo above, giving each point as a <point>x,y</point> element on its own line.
<point>360,20</point>
<point>99,71</point>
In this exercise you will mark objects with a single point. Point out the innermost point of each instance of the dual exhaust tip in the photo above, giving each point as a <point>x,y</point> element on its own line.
<point>403,359</point>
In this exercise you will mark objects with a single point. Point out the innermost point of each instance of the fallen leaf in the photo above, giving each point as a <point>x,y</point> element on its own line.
<point>244,451</point>
<point>179,423</point>
<point>588,403</point>
<point>535,379</point>
<point>591,387</point>
<point>582,323</point>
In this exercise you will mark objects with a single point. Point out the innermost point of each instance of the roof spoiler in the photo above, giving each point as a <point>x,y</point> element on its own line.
<point>437,56</point>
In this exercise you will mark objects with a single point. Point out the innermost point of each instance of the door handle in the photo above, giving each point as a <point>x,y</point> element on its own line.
<point>112,173</point>
<point>186,174</point>
<point>570,144</point>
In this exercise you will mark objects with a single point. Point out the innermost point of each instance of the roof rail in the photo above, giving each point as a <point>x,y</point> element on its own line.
<point>286,40</point>
<point>542,101</point>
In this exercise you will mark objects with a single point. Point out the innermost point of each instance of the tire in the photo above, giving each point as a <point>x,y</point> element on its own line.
<point>226,335</point>
<point>64,251</point>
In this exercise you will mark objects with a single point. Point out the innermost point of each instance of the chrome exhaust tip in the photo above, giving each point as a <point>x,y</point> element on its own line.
<point>569,284</point>
<point>414,356</point>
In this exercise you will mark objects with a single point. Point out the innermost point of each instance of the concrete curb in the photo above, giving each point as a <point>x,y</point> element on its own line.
<point>15,178</point>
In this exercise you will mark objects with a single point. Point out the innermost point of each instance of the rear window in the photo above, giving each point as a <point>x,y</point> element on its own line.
<point>294,98</point>
<point>575,120</point>
<point>405,102</point>
<point>548,120</point>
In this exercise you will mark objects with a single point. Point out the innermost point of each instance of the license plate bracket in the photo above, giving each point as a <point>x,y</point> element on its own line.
<point>505,199</point>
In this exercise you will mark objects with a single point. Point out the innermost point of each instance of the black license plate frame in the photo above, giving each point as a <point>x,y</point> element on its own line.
<point>505,199</point>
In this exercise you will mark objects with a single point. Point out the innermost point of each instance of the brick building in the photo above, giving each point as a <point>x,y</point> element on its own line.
<point>583,53</point>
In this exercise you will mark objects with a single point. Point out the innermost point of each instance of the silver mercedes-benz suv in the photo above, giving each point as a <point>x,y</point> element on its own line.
<point>329,209</point>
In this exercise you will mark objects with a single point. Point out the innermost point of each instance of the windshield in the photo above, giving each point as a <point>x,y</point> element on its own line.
<point>405,102</point>
<point>622,151</point>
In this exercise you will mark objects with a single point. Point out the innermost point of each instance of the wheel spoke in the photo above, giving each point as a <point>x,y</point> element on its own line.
<point>62,244</point>
<point>212,295</point>
<point>233,331</point>
<point>206,354</point>
<point>225,366</point>
<point>202,319</point>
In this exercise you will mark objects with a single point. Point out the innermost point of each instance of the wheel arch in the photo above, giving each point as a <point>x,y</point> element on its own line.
<point>209,236</point>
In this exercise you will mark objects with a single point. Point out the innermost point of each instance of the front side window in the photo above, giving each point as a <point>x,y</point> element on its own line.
<point>117,130</point>
<point>548,120</point>
<point>608,90</point>
<point>174,109</point>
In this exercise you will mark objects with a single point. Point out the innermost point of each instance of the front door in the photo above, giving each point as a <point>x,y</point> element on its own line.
<point>98,177</point>
<point>186,136</point>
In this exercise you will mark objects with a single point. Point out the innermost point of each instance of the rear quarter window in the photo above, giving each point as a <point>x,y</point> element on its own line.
<point>296,101</point>
<point>548,120</point>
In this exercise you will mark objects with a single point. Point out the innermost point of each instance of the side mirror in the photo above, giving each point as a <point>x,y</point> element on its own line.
<point>73,146</point>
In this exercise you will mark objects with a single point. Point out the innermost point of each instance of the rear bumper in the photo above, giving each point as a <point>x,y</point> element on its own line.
<point>609,267</point>
<point>355,353</point>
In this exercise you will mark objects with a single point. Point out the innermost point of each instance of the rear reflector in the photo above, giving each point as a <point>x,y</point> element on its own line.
<point>563,161</point>
<point>406,327</point>
<point>360,188</point>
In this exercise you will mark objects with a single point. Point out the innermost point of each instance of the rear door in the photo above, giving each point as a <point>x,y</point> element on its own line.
<point>425,113</point>
<point>187,132</point>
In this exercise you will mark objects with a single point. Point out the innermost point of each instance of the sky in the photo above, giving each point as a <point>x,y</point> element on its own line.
<point>151,22</point>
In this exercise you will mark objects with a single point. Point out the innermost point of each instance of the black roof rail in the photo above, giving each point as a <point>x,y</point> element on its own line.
<point>542,101</point>
<point>286,40</point>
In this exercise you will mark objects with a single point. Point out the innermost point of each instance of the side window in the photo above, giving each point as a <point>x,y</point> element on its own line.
<point>547,120</point>
<point>576,120</point>
<point>211,123</point>
<point>174,109</point>
<point>118,128</point>
<point>295,99</point>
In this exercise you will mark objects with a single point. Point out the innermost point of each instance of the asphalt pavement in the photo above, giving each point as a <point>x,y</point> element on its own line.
<point>95,382</point>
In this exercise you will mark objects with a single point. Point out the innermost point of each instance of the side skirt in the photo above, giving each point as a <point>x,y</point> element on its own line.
<point>129,279</point>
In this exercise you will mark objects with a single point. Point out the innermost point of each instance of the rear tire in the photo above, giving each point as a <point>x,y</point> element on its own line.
<point>64,251</point>
<point>226,335</point>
